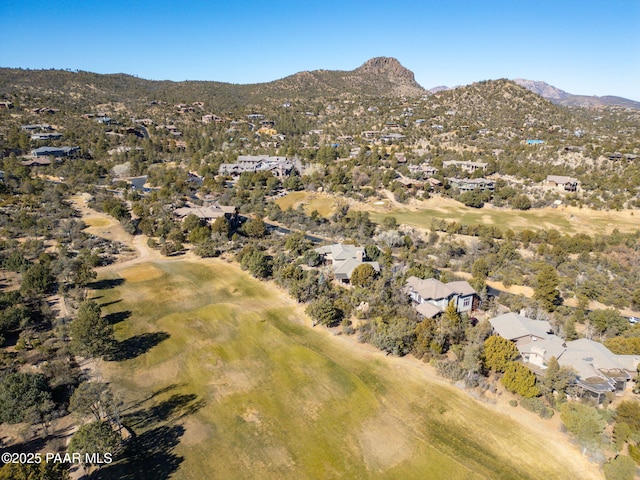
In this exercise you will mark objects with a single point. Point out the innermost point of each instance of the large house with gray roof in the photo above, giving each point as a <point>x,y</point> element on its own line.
<point>431,297</point>
<point>278,166</point>
<point>471,184</point>
<point>344,259</point>
<point>597,369</point>
<point>54,151</point>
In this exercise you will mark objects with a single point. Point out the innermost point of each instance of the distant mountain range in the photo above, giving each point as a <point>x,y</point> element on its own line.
<point>560,97</point>
<point>377,77</point>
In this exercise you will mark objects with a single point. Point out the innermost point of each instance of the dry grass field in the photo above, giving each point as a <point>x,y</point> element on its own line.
<point>420,213</point>
<point>565,219</point>
<point>223,378</point>
<point>323,203</point>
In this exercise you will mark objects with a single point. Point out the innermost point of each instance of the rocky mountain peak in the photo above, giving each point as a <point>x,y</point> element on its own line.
<point>387,66</point>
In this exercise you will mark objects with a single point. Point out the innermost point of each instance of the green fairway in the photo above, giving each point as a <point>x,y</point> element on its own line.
<point>223,381</point>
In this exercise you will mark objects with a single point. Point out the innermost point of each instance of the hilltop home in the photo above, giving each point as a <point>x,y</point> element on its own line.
<point>344,259</point>
<point>470,167</point>
<point>423,169</point>
<point>37,126</point>
<point>46,136</point>
<point>54,151</point>
<point>431,297</point>
<point>568,184</point>
<point>598,371</point>
<point>36,162</point>
<point>278,166</point>
<point>471,184</point>
<point>410,182</point>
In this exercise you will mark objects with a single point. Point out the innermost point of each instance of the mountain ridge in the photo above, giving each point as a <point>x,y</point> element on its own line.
<point>561,97</point>
<point>376,77</point>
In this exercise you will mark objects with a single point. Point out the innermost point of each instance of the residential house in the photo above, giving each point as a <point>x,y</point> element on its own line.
<point>36,162</point>
<point>278,166</point>
<point>344,259</point>
<point>54,151</point>
<point>424,170</point>
<point>434,182</point>
<point>470,167</point>
<point>431,297</point>
<point>45,110</point>
<point>37,126</point>
<point>598,370</point>
<point>43,136</point>
<point>410,183</point>
<point>209,213</point>
<point>206,119</point>
<point>524,332</point>
<point>471,184</point>
<point>392,137</point>
<point>370,134</point>
<point>568,184</point>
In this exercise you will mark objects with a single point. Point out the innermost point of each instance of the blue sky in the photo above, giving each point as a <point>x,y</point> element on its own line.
<point>584,47</point>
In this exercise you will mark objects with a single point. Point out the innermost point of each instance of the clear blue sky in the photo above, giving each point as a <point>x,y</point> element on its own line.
<point>582,46</point>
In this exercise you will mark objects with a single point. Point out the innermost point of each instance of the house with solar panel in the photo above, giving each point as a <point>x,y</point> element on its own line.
<point>598,370</point>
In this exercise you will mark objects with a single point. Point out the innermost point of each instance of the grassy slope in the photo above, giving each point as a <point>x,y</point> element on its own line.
<point>241,389</point>
<point>565,219</point>
<point>322,202</point>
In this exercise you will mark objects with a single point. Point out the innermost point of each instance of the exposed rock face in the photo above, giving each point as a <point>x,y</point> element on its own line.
<point>388,72</point>
<point>386,65</point>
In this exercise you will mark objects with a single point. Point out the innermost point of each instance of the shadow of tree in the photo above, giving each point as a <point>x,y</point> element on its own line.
<point>117,317</point>
<point>148,456</point>
<point>136,346</point>
<point>175,408</point>
<point>106,284</point>
<point>102,305</point>
<point>34,445</point>
<point>132,406</point>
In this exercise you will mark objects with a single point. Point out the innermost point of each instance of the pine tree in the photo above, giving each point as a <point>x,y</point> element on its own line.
<point>91,334</point>
<point>519,379</point>
<point>546,288</point>
<point>498,353</point>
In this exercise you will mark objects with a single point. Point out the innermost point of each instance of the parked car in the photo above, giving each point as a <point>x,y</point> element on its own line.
<point>634,319</point>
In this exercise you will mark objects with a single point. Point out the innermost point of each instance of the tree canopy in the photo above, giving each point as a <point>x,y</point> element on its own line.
<point>498,353</point>
<point>91,334</point>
